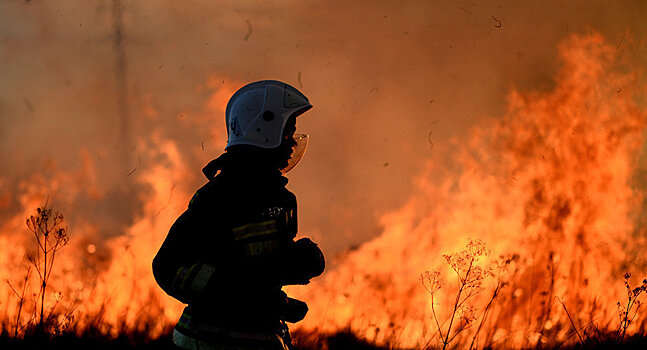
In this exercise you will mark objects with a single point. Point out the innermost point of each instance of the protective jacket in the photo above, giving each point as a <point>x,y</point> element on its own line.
<point>228,255</point>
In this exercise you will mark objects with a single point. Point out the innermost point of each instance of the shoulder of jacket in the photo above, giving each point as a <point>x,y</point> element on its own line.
<point>206,194</point>
<point>290,196</point>
<point>287,194</point>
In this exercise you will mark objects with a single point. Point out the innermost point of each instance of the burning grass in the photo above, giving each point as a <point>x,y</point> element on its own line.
<point>555,182</point>
<point>40,313</point>
<point>41,325</point>
<point>555,187</point>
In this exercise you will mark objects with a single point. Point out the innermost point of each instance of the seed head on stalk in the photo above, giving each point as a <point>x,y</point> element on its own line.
<point>50,236</point>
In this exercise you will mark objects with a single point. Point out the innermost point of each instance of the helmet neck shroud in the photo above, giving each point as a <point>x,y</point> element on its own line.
<point>249,159</point>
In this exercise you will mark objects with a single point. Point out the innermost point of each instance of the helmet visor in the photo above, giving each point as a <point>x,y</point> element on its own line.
<point>298,151</point>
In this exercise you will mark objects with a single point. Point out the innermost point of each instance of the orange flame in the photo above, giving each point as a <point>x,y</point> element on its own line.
<point>107,284</point>
<point>551,181</point>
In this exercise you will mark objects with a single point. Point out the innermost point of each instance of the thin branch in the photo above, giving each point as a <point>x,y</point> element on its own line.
<point>468,326</point>
<point>10,286</point>
<point>51,265</point>
<point>433,310</point>
<point>36,264</point>
<point>486,311</point>
<point>570,319</point>
<point>581,329</point>
<point>456,303</point>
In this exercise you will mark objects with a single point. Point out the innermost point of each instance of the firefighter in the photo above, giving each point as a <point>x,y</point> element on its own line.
<point>230,253</point>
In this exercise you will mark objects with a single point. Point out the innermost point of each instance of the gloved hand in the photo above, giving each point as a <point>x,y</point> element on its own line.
<point>303,261</point>
<point>308,253</point>
<point>295,310</point>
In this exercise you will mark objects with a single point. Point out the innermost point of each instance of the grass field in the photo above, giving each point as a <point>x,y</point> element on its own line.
<point>341,340</point>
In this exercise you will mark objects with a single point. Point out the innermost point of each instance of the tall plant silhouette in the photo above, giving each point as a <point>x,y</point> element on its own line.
<point>470,278</point>
<point>629,311</point>
<point>50,237</point>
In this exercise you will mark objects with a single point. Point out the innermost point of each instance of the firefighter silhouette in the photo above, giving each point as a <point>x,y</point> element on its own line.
<point>230,253</point>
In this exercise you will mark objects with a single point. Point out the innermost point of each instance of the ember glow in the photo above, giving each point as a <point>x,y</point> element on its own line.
<point>412,155</point>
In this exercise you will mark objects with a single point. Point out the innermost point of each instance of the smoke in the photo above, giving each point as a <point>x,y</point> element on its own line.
<point>121,81</point>
<point>88,87</point>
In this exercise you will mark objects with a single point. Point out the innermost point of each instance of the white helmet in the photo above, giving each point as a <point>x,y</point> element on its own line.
<point>257,113</point>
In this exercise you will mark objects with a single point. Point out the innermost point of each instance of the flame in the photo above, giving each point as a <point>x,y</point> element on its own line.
<point>555,180</point>
<point>107,284</point>
<point>552,181</point>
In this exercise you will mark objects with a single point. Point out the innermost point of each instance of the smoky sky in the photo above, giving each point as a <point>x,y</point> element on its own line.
<point>393,83</point>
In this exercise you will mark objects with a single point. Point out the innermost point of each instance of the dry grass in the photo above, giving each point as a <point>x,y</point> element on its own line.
<point>42,326</point>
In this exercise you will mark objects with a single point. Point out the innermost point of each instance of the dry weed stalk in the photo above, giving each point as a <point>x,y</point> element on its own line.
<point>470,278</point>
<point>50,237</point>
<point>503,264</point>
<point>21,299</point>
<point>46,226</point>
<point>568,314</point>
<point>629,311</point>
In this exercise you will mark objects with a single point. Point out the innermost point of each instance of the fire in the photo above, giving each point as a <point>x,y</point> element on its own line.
<point>107,284</point>
<point>552,181</point>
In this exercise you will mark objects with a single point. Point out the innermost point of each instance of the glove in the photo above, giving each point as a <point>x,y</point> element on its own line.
<point>308,253</point>
<point>295,310</point>
<point>303,261</point>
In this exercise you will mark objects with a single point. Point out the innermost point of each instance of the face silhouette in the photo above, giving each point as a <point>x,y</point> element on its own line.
<point>287,143</point>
